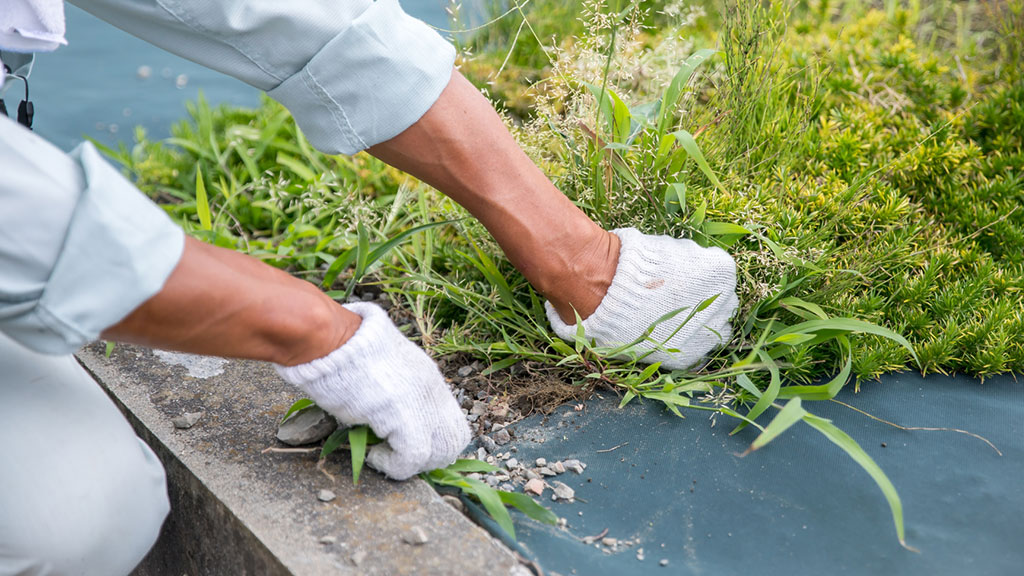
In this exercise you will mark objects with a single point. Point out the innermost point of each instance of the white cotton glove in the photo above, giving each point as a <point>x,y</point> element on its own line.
<point>382,379</point>
<point>656,275</point>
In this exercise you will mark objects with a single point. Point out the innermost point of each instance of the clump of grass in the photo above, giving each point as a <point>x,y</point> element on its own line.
<point>863,166</point>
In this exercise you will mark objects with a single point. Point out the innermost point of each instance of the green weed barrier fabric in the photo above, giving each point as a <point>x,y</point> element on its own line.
<point>680,491</point>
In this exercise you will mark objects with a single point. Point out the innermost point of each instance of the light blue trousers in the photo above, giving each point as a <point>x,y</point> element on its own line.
<point>79,492</point>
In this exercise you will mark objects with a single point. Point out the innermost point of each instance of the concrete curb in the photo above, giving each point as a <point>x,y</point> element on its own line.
<point>236,510</point>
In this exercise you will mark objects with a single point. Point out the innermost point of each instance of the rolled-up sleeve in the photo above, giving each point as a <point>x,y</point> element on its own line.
<point>353,73</point>
<point>80,246</point>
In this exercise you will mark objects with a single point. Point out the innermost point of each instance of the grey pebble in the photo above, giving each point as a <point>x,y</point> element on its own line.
<point>186,420</point>
<point>325,495</point>
<point>328,540</point>
<point>541,462</point>
<point>466,371</point>
<point>479,408</point>
<point>562,491</point>
<point>511,463</point>
<point>358,557</point>
<point>481,454</point>
<point>545,471</point>
<point>502,437</point>
<point>574,466</point>
<point>488,443</point>
<point>454,502</point>
<point>664,562</point>
<point>531,475</point>
<point>416,536</point>
<point>306,427</point>
<point>557,468</point>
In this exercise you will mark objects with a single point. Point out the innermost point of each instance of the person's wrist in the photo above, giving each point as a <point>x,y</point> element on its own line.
<point>326,326</point>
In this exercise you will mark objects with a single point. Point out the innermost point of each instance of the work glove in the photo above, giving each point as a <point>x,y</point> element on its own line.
<point>657,275</point>
<point>380,378</point>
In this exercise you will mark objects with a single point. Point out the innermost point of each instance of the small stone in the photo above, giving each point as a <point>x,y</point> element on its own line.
<point>186,420</point>
<point>558,468</point>
<point>465,401</point>
<point>663,562</point>
<point>466,371</point>
<point>502,437</point>
<point>454,502</point>
<point>534,486</point>
<point>474,475</point>
<point>541,462</point>
<point>491,481</point>
<point>511,463</point>
<point>562,491</point>
<point>473,417</point>
<point>416,536</point>
<point>531,475</point>
<point>325,495</point>
<point>328,540</point>
<point>500,410</point>
<point>574,466</point>
<point>545,471</point>
<point>306,427</point>
<point>507,487</point>
<point>479,408</point>
<point>481,454</point>
<point>640,554</point>
<point>369,296</point>
<point>562,522</point>
<point>358,557</point>
<point>610,542</point>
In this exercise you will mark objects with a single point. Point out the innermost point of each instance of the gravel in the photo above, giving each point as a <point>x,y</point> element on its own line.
<point>325,495</point>
<point>562,491</point>
<point>416,536</point>
<point>502,437</point>
<point>534,486</point>
<point>187,420</point>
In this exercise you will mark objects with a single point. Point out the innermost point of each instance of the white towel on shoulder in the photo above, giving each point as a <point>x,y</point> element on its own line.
<point>31,25</point>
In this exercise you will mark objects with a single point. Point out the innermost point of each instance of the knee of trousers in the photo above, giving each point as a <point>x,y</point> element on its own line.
<point>80,493</point>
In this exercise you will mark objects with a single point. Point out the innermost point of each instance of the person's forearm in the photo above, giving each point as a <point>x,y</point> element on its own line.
<point>462,148</point>
<point>219,302</point>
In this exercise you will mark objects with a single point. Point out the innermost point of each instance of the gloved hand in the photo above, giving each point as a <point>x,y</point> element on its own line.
<point>380,378</point>
<point>656,275</point>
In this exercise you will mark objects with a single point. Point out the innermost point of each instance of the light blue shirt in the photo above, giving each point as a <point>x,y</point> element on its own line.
<point>80,247</point>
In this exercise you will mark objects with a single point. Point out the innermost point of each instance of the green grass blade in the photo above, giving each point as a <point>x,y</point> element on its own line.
<point>686,140</point>
<point>334,441</point>
<point>466,465</point>
<point>528,506</point>
<point>675,88</point>
<point>790,414</point>
<point>296,166</point>
<point>848,325</point>
<point>357,438</point>
<point>491,501</point>
<point>299,405</point>
<point>202,202</point>
<point>769,395</point>
<point>850,446</point>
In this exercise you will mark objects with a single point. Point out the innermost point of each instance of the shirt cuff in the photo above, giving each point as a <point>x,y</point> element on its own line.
<point>372,81</point>
<point>119,251</point>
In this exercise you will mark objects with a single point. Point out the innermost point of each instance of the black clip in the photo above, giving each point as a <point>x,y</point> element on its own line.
<point>26,110</point>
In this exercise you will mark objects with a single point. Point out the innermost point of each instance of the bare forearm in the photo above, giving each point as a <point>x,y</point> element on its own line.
<point>223,303</point>
<point>462,148</point>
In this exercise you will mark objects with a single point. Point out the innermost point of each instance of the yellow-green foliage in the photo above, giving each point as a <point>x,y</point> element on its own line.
<point>883,148</point>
